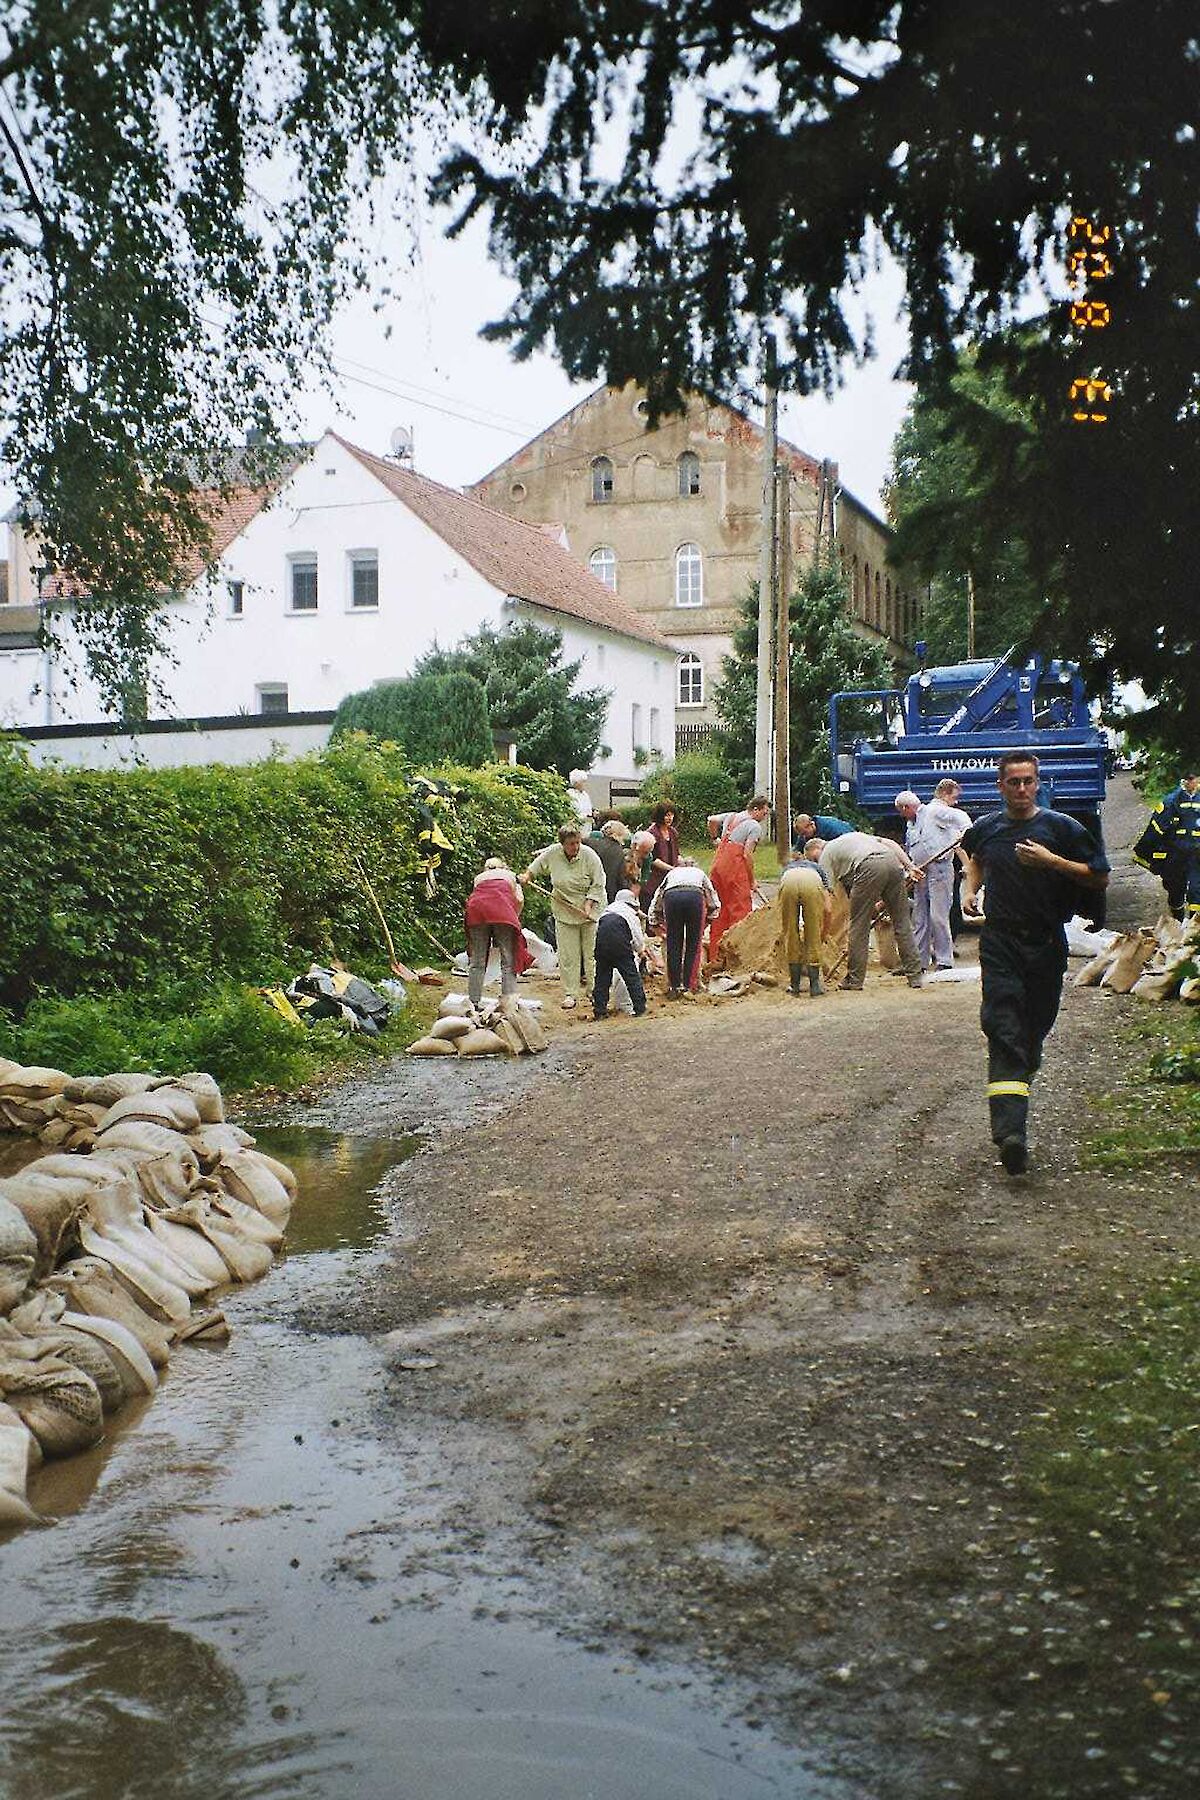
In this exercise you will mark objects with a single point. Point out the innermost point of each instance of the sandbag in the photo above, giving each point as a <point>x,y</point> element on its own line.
<point>480,1043</point>
<point>41,1321</point>
<point>169,1106</point>
<point>206,1095</point>
<point>123,1349</point>
<point>152,1290</point>
<point>452,1006</point>
<point>189,1245</point>
<point>1091,972</point>
<point>212,1141</point>
<point>18,1255</point>
<point>451,1027</point>
<point>245,1220</point>
<point>104,1090</point>
<point>1134,951</point>
<point>90,1287</point>
<point>57,1401</point>
<point>16,1462</point>
<point>31,1084</point>
<point>431,1046</point>
<point>248,1178</point>
<point>51,1207</point>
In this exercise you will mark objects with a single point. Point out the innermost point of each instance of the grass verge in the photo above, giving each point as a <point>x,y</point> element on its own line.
<point>1157,1114</point>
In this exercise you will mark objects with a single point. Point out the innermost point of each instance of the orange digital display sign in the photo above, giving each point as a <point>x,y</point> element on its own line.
<point>1089,262</point>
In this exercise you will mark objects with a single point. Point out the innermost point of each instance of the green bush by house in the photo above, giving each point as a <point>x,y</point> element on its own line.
<point>434,718</point>
<point>699,786</point>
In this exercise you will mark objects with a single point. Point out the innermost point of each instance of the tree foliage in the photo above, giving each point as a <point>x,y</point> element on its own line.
<point>699,784</point>
<point>530,692</point>
<point>825,654</point>
<point>434,718</point>
<point>965,498</point>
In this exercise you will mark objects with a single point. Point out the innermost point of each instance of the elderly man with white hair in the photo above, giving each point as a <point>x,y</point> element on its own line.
<point>934,832</point>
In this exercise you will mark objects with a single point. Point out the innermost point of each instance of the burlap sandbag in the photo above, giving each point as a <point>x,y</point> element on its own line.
<point>90,1287</point>
<point>18,1254</point>
<point>57,1401</point>
<point>52,1207</point>
<point>481,1043</point>
<point>16,1460</point>
<point>40,1320</point>
<point>1133,953</point>
<point>431,1046</point>
<point>29,1084</point>
<point>104,1090</point>
<point>169,1106</point>
<point>1091,972</point>
<point>450,1028</point>
<point>250,1178</point>
<point>207,1096</point>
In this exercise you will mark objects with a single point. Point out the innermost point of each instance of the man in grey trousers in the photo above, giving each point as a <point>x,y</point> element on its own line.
<point>871,869</point>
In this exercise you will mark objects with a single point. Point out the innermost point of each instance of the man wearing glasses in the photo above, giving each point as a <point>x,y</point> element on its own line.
<point>1034,865</point>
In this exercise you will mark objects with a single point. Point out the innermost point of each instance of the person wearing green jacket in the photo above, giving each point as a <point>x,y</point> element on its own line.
<point>577,898</point>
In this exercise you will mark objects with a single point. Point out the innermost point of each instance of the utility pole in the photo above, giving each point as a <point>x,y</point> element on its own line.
<point>781,789</point>
<point>766,587</point>
<point>970,616</point>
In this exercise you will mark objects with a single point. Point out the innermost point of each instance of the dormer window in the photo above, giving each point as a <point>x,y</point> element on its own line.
<point>689,475</point>
<point>602,479</point>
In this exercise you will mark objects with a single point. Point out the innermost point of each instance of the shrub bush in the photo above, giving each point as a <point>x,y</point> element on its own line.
<point>133,879</point>
<point>433,718</point>
<point>698,785</point>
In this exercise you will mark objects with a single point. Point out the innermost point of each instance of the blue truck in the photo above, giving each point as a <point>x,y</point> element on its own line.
<point>958,720</point>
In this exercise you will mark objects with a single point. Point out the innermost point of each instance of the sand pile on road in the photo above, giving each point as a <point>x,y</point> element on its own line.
<point>757,942</point>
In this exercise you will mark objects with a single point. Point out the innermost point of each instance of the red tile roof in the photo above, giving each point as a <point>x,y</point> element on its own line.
<point>519,559</point>
<point>228,515</point>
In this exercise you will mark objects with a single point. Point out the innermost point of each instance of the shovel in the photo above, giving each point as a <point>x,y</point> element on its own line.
<point>398,968</point>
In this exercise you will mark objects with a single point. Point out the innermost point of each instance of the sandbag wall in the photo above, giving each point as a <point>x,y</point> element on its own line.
<point>1159,962</point>
<point>112,1246</point>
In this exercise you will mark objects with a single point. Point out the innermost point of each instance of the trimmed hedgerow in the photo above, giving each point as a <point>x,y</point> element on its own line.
<point>119,880</point>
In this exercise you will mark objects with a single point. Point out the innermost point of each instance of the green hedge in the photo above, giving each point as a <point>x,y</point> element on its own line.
<point>699,786</point>
<point>434,718</point>
<point>121,880</point>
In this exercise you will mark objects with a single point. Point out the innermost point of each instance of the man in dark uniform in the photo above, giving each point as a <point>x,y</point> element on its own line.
<point>1033,864</point>
<point>1170,846</point>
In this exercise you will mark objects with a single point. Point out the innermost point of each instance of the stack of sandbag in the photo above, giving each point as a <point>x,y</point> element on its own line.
<point>111,1253</point>
<point>1153,963</point>
<point>508,1026</point>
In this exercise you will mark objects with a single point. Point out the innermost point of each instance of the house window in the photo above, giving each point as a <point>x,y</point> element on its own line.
<point>364,580</point>
<point>691,680</point>
<point>635,726</point>
<point>655,732</point>
<point>878,602</point>
<point>237,598</point>
<point>689,475</point>
<point>689,576</point>
<point>603,564</point>
<point>272,699</point>
<point>302,584</point>
<point>602,479</point>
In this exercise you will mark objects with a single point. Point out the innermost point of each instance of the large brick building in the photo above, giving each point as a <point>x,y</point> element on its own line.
<point>671,519</point>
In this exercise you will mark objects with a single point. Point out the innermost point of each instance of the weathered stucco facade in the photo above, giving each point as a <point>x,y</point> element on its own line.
<point>672,518</point>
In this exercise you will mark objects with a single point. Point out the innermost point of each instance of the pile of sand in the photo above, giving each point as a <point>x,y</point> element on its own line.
<point>757,942</point>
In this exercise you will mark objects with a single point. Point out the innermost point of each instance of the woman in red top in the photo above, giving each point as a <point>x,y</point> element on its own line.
<point>493,916</point>
<point>664,854</point>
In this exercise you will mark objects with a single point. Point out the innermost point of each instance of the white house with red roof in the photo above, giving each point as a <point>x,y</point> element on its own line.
<point>341,577</point>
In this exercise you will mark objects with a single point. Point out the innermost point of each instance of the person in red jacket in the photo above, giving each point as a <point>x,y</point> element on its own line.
<point>493,916</point>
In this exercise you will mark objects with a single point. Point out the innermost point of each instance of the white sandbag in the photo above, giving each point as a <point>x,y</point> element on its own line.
<point>1084,940</point>
<point>16,1447</point>
<point>169,1106</point>
<point>161,1297</point>
<point>206,1094</point>
<point>18,1254</point>
<point>189,1246</point>
<point>431,1046</point>
<point>545,956</point>
<point>249,1178</point>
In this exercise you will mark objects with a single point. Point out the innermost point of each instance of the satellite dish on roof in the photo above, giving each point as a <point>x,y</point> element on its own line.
<point>402,443</point>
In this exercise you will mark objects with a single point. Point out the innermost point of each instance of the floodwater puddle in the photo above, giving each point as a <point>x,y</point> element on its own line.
<point>250,1590</point>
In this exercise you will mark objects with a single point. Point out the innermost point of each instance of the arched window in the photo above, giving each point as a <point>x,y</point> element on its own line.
<point>689,475</point>
<point>855,595</point>
<point>878,618</point>
<point>603,564</point>
<point>691,680</point>
<point>689,576</point>
<point>602,478</point>
<point>889,623</point>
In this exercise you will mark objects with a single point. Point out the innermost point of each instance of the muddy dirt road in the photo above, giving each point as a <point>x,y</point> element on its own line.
<point>726,1324</point>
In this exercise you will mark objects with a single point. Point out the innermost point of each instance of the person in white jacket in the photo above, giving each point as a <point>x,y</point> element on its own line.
<point>620,940</point>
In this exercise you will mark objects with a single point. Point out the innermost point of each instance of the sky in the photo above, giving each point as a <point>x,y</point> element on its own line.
<point>418,362</point>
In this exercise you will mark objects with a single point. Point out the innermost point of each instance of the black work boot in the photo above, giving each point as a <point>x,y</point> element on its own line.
<point>814,980</point>
<point>795,971</point>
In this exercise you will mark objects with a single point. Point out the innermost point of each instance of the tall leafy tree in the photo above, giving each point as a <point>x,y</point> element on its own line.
<point>825,655</point>
<point>965,460</point>
<point>530,692</point>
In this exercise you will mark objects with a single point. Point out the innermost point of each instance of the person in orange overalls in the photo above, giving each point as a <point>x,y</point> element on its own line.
<point>732,872</point>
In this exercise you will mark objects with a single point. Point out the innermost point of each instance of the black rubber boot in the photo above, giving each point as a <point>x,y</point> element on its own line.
<point>814,980</point>
<point>795,971</point>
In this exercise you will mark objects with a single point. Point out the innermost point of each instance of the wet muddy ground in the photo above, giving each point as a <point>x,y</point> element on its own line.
<point>650,1432</point>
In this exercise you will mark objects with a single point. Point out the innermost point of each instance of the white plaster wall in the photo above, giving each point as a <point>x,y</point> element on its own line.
<point>332,506</point>
<point>182,749</point>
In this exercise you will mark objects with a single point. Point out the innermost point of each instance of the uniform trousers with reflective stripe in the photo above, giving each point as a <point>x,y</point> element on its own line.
<point>1022,992</point>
